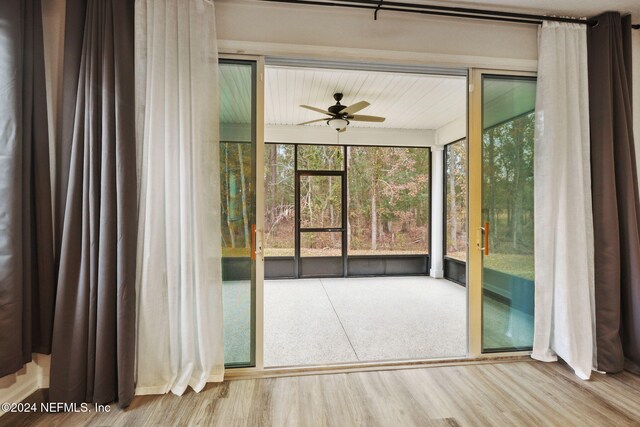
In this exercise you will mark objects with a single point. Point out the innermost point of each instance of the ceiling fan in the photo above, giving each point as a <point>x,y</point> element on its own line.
<point>341,115</point>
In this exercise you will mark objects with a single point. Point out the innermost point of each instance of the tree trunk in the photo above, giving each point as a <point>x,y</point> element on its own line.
<point>245,216</point>
<point>273,179</point>
<point>492,187</point>
<point>453,208</point>
<point>347,207</point>
<point>374,215</point>
<point>330,199</point>
<point>517,190</point>
<point>309,207</point>
<point>228,191</point>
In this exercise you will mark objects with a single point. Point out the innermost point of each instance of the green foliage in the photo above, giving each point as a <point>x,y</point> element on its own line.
<point>508,192</point>
<point>388,198</point>
<point>456,199</point>
<point>237,197</point>
<point>279,199</point>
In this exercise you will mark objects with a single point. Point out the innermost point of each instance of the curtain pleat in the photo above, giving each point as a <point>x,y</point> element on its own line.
<point>180,330</point>
<point>635,56</point>
<point>27,286</point>
<point>75,12</point>
<point>615,195</point>
<point>564,302</point>
<point>93,350</point>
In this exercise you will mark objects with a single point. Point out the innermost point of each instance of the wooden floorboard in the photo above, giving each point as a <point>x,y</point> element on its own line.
<point>509,394</point>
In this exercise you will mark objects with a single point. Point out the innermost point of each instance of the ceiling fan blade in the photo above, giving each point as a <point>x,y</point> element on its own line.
<point>317,110</point>
<point>363,118</point>
<point>312,121</point>
<point>354,108</point>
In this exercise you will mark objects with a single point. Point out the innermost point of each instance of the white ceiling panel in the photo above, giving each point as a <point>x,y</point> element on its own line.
<point>408,101</point>
<point>235,93</point>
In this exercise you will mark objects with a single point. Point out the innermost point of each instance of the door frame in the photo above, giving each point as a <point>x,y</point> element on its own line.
<point>474,227</point>
<point>474,264</point>
<point>258,233</point>
<point>343,215</point>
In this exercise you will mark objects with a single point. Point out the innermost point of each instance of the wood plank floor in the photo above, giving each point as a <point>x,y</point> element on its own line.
<point>519,394</point>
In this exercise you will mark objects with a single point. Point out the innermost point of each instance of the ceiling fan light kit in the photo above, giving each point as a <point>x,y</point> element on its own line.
<point>338,124</point>
<point>341,115</point>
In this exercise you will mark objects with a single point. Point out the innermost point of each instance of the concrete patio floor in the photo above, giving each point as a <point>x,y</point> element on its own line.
<point>323,321</point>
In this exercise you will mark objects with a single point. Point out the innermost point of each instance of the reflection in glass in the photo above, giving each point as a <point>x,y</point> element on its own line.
<point>320,157</point>
<point>237,194</point>
<point>507,205</point>
<point>238,211</point>
<point>320,201</point>
<point>387,200</point>
<point>456,199</point>
<point>325,243</point>
<point>279,200</point>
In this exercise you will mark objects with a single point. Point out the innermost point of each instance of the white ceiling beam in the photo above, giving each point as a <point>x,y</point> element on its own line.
<point>353,136</point>
<point>452,131</point>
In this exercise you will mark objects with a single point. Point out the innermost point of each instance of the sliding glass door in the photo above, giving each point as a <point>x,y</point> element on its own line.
<point>508,123</point>
<point>238,216</point>
<point>501,212</point>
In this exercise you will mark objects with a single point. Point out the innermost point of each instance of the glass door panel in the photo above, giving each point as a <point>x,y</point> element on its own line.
<point>238,213</point>
<point>508,122</point>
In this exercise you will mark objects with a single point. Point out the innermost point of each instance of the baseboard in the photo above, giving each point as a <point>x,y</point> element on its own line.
<point>32,377</point>
<point>22,390</point>
<point>26,382</point>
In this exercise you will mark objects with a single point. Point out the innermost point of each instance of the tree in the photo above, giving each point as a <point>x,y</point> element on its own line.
<point>387,197</point>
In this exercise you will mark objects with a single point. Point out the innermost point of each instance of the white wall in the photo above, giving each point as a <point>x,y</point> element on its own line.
<point>301,31</point>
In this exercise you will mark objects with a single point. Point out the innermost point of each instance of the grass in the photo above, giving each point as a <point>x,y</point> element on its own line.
<point>514,264</point>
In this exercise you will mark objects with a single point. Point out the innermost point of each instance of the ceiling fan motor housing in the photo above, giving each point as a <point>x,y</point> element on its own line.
<point>341,115</point>
<point>335,109</point>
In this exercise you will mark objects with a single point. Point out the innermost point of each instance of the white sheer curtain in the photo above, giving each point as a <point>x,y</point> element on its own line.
<point>180,330</point>
<point>564,301</point>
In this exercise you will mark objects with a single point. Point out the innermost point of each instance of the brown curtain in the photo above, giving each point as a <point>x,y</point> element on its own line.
<point>616,208</point>
<point>94,331</point>
<point>27,286</point>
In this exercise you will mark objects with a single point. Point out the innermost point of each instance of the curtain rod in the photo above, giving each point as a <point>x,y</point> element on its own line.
<point>460,12</point>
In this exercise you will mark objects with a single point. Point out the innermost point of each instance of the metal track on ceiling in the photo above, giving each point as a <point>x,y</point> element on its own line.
<point>363,66</point>
<point>461,12</point>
